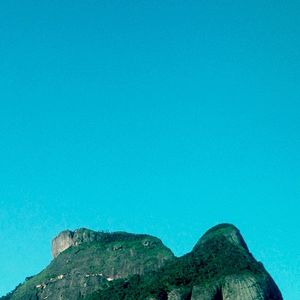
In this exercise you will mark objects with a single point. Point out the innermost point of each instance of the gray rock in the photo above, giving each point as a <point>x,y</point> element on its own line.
<point>68,238</point>
<point>220,267</point>
<point>85,261</point>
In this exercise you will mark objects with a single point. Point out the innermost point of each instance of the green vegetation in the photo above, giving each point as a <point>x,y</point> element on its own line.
<point>8,296</point>
<point>203,266</point>
<point>121,266</point>
<point>116,253</point>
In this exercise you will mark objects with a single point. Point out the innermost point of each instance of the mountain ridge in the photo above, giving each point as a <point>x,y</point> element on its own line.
<point>98,265</point>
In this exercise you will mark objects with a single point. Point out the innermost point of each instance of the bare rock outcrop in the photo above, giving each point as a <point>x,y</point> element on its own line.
<point>239,287</point>
<point>86,260</point>
<point>68,238</point>
<point>62,242</point>
<point>120,265</point>
<point>242,278</point>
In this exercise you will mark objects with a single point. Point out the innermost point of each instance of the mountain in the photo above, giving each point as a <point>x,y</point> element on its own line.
<point>97,265</point>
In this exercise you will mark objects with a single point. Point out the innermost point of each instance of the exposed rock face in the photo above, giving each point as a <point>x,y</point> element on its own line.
<point>87,263</point>
<point>68,238</point>
<point>238,287</point>
<point>62,242</point>
<point>220,267</point>
<point>177,294</point>
<point>67,286</point>
<point>250,287</point>
<point>247,284</point>
<point>206,293</point>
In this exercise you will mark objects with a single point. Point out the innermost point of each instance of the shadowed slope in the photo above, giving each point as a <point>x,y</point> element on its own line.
<point>91,261</point>
<point>125,266</point>
<point>219,267</point>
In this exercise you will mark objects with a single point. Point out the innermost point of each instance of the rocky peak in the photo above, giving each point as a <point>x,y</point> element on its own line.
<point>225,231</point>
<point>95,265</point>
<point>68,238</point>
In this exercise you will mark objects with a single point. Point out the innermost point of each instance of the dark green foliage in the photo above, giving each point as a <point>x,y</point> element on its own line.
<point>120,251</point>
<point>220,254</point>
<point>205,266</point>
<point>9,295</point>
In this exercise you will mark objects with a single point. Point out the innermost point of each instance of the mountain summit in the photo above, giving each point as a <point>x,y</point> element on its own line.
<point>98,265</point>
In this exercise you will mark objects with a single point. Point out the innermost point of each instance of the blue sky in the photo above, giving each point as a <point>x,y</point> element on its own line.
<point>162,118</point>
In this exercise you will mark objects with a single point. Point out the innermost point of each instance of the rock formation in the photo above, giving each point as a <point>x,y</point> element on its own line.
<point>69,238</point>
<point>85,260</point>
<point>62,242</point>
<point>97,265</point>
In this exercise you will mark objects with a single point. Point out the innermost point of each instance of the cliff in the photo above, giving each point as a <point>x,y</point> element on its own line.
<point>220,267</point>
<point>69,238</point>
<point>85,260</point>
<point>96,265</point>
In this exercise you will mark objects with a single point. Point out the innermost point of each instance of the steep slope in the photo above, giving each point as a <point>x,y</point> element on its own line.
<point>95,265</point>
<point>237,275</point>
<point>219,267</point>
<point>86,260</point>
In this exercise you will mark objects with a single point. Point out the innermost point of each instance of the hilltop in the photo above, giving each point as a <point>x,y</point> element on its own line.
<point>97,265</point>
